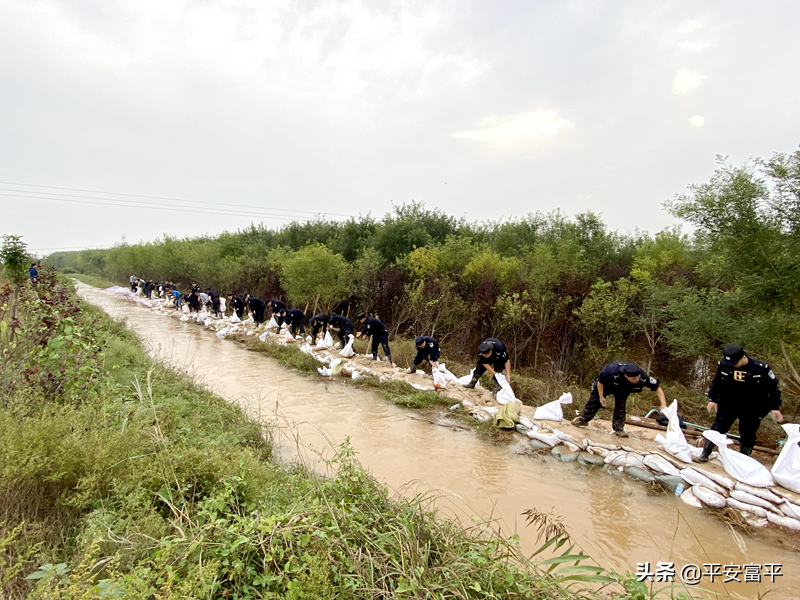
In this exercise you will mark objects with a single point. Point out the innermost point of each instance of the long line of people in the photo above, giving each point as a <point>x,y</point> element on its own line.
<point>619,379</point>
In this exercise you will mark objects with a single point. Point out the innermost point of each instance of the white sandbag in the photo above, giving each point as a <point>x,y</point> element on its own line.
<point>348,351</point>
<point>549,439</point>
<point>184,318</point>
<point>263,337</point>
<point>634,460</point>
<point>424,388</point>
<point>760,492</point>
<point>689,498</point>
<point>748,498</point>
<point>185,308</point>
<point>756,523</point>
<point>506,394</point>
<point>608,447</point>
<point>552,411</point>
<point>572,447</point>
<point>659,464</point>
<point>525,420</point>
<point>439,380</point>
<point>695,478</point>
<point>617,458</point>
<point>222,332</point>
<point>786,469</point>
<point>447,374</point>
<point>466,379</point>
<point>790,510</point>
<point>709,497</point>
<point>744,507</point>
<point>675,443</point>
<point>784,521</point>
<point>328,339</point>
<point>223,304</point>
<point>271,324</point>
<point>599,451</point>
<point>235,318</point>
<point>324,371</point>
<point>725,482</point>
<point>743,468</point>
<point>308,339</point>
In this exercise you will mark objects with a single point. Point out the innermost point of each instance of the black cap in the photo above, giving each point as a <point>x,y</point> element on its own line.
<point>418,340</point>
<point>283,310</point>
<point>361,316</point>
<point>631,369</point>
<point>732,354</point>
<point>485,347</point>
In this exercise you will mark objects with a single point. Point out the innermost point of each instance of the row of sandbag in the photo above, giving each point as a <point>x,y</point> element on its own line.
<point>129,295</point>
<point>759,506</point>
<point>743,468</point>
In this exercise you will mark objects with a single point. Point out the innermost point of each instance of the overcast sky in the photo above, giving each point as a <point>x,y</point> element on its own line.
<point>485,110</point>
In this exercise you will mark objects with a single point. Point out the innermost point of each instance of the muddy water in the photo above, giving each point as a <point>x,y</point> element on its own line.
<point>611,517</point>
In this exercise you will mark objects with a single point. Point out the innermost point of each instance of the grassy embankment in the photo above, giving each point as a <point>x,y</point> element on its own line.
<point>122,478</point>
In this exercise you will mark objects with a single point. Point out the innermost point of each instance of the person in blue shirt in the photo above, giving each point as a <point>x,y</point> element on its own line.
<point>177,296</point>
<point>34,273</point>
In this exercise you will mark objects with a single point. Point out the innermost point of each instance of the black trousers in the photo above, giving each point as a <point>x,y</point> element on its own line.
<point>294,325</point>
<point>343,333</point>
<point>593,405</point>
<point>258,315</point>
<point>381,340</point>
<point>749,422</point>
<point>215,306</point>
<point>424,355</point>
<point>240,312</point>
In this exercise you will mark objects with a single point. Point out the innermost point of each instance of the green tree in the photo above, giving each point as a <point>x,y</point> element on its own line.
<point>316,276</point>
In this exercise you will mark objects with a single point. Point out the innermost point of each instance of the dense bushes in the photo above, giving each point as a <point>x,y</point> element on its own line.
<point>566,294</point>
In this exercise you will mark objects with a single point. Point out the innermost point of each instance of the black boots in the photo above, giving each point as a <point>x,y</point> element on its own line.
<point>413,369</point>
<point>707,449</point>
<point>473,382</point>
<point>746,450</point>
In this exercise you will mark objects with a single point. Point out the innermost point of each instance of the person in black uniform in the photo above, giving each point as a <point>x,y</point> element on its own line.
<point>194,301</point>
<point>214,297</point>
<point>620,379</point>
<point>256,306</point>
<point>236,304</point>
<point>318,323</point>
<point>380,335</point>
<point>492,357</point>
<point>295,318</point>
<point>427,349</point>
<point>342,326</point>
<point>743,388</point>
<point>276,306</point>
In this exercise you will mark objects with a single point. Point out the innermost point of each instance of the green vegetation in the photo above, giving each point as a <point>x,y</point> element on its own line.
<point>123,479</point>
<point>566,295</point>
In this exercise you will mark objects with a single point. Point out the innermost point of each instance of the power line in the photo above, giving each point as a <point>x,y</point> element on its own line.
<point>165,198</point>
<point>147,205</point>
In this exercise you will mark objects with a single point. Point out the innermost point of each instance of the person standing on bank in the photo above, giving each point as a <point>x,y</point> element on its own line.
<point>294,318</point>
<point>380,335</point>
<point>256,306</point>
<point>427,349</point>
<point>492,357</point>
<point>237,304</point>
<point>743,388</point>
<point>342,326</point>
<point>618,379</point>
<point>318,323</point>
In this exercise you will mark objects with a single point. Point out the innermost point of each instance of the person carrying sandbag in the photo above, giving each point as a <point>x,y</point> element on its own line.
<point>295,319</point>
<point>237,304</point>
<point>341,326</point>
<point>256,306</point>
<point>743,388</point>
<point>492,357</point>
<point>380,335</point>
<point>276,306</point>
<point>318,322</point>
<point>427,349</point>
<point>618,379</point>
